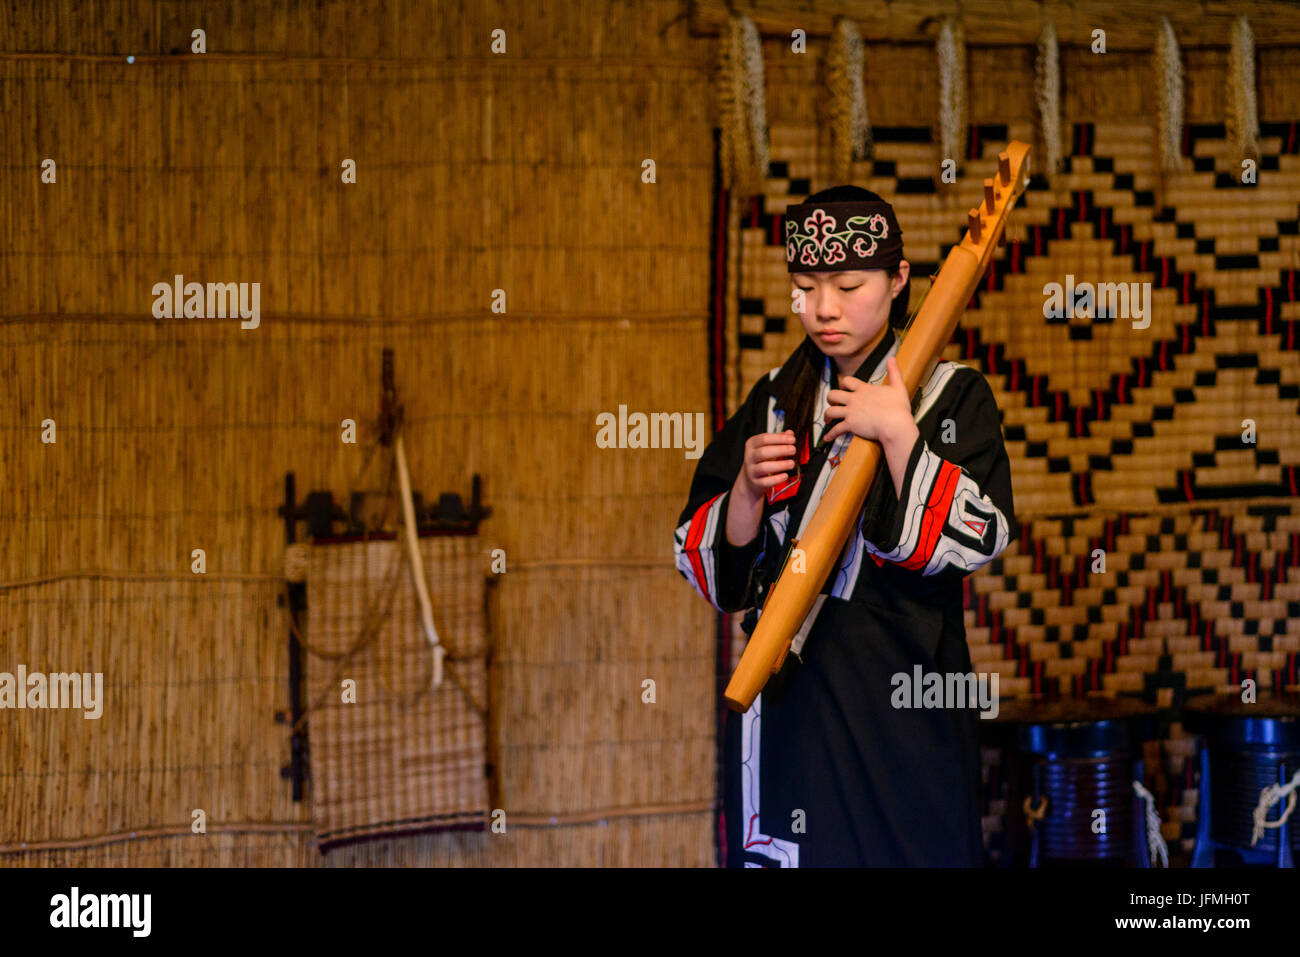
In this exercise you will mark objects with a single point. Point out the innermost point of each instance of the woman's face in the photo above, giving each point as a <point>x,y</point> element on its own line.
<point>846,313</point>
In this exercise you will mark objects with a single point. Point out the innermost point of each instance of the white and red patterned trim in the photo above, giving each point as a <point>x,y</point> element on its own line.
<point>693,548</point>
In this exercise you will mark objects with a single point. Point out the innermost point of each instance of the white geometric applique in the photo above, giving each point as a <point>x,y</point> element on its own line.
<point>753,840</point>
<point>972,513</point>
<point>965,544</point>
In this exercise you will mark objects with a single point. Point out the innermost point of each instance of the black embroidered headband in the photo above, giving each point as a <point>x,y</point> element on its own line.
<point>836,237</point>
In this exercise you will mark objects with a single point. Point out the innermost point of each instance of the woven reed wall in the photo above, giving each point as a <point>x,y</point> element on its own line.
<point>474,173</point>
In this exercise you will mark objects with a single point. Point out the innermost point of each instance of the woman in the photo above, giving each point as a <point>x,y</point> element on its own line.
<point>832,765</point>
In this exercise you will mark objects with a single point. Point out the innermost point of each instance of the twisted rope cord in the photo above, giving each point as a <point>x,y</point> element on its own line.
<point>1155,842</point>
<point>1267,798</point>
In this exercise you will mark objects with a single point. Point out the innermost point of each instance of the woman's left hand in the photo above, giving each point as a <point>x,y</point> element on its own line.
<point>879,412</point>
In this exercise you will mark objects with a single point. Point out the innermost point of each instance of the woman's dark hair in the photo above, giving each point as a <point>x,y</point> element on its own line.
<point>795,386</point>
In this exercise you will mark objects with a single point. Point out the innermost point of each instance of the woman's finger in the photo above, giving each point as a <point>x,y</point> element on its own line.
<point>895,375</point>
<point>769,452</point>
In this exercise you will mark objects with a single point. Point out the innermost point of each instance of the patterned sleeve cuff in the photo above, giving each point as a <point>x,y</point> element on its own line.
<point>942,520</point>
<point>719,570</point>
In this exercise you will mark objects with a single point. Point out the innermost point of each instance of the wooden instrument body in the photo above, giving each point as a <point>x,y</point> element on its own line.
<point>793,594</point>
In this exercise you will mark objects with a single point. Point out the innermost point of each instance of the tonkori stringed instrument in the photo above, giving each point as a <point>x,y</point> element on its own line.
<point>795,591</point>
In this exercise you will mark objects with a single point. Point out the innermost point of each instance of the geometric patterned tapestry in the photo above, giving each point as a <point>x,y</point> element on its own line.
<point>1124,439</point>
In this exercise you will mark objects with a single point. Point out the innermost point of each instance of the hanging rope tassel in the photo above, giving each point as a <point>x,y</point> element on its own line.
<point>1267,798</point>
<point>1242,119</point>
<point>1047,95</point>
<point>951,51</point>
<point>1169,98</point>
<point>1155,843</point>
<point>847,106</point>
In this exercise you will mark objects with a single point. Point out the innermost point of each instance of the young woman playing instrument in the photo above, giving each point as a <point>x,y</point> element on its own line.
<point>839,761</point>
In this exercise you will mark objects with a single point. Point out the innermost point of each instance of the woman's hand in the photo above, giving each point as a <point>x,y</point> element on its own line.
<point>768,458</point>
<point>879,412</point>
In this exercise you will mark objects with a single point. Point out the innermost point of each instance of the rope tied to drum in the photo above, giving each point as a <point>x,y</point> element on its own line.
<point>1267,798</point>
<point>1155,842</point>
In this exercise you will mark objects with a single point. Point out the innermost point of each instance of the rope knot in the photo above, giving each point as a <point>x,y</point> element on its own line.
<point>1267,798</point>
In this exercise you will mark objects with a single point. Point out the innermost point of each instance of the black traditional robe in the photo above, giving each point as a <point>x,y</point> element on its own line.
<point>823,769</point>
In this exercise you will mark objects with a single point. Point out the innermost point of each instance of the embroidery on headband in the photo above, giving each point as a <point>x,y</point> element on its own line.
<point>820,244</point>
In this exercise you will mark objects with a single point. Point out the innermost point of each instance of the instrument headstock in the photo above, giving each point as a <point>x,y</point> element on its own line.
<point>986,224</point>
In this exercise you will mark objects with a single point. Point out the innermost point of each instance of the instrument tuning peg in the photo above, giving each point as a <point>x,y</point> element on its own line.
<point>989,195</point>
<point>973,223</point>
<point>1004,168</point>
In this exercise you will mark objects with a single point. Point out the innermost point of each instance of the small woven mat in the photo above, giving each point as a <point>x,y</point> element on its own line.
<point>402,759</point>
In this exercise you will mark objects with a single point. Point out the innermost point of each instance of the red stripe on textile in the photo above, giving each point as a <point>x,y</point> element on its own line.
<point>785,491</point>
<point>936,514</point>
<point>694,535</point>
